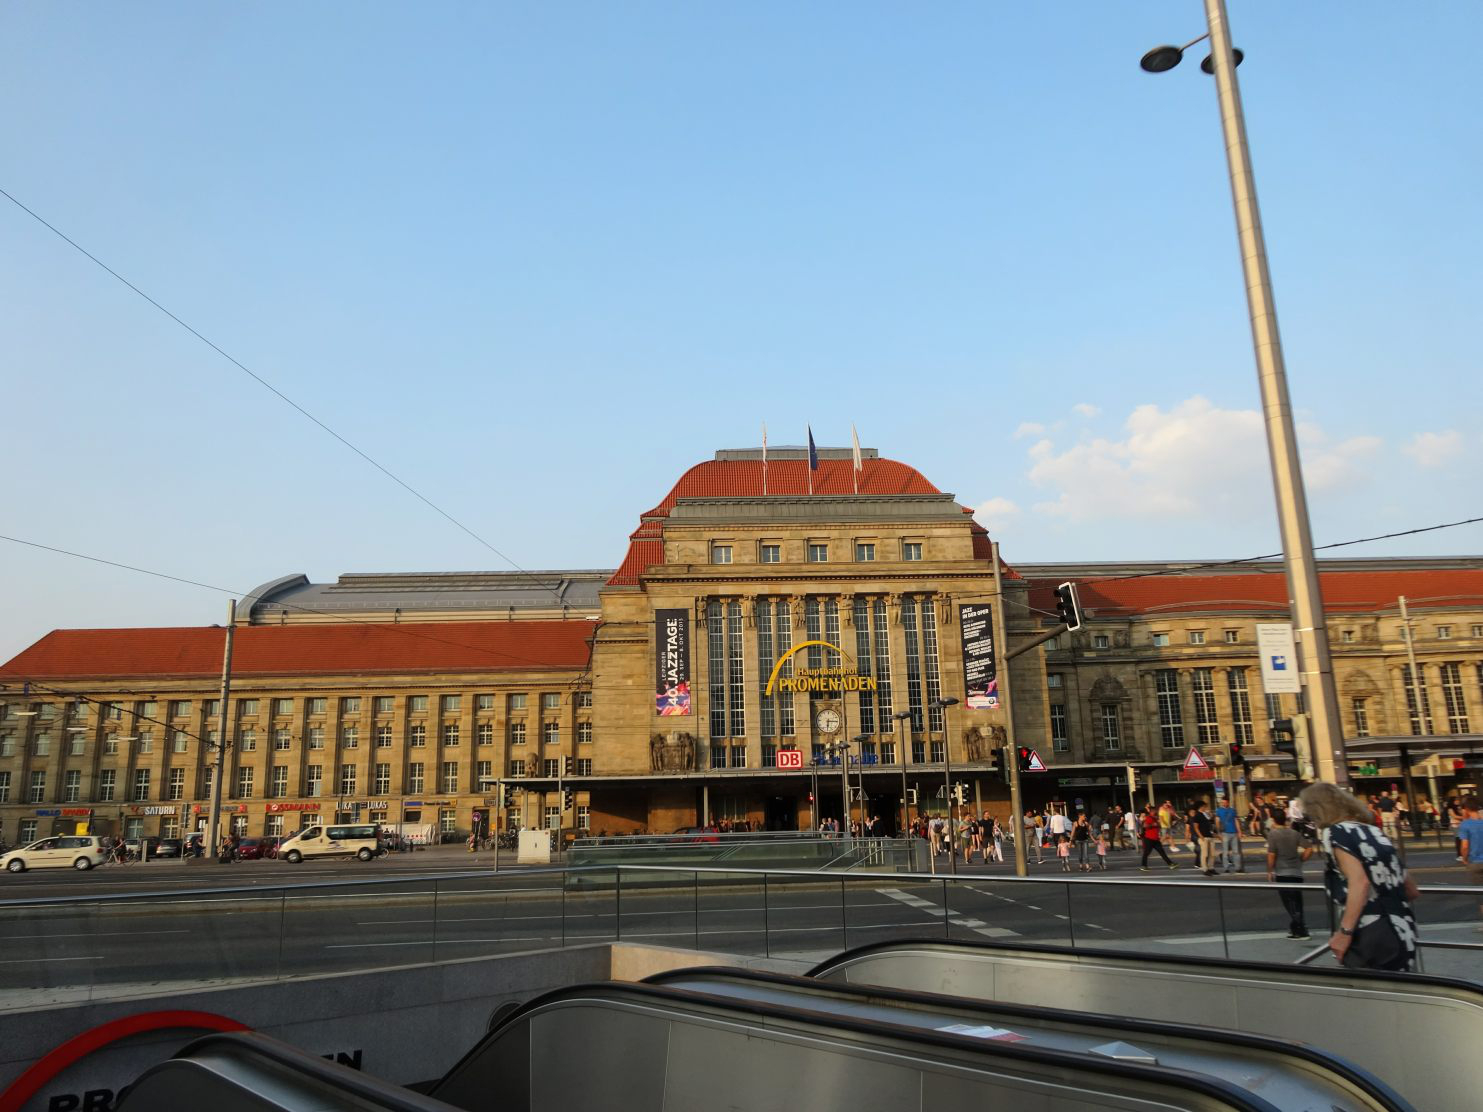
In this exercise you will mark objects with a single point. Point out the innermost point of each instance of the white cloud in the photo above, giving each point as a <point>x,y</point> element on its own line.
<point>1435,449</point>
<point>1194,461</point>
<point>1029,428</point>
<point>996,513</point>
<point>1086,410</point>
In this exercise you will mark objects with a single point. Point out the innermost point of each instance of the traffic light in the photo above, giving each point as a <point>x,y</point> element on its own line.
<point>1068,606</point>
<point>1132,778</point>
<point>1284,737</point>
<point>568,765</point>
<point>1238,754</point>
<point>509,796</point>
<point>568,799</point>
<point>911,796</point>
<point>997,763</point>
<point>960,793</point>
<point>1023,756</point>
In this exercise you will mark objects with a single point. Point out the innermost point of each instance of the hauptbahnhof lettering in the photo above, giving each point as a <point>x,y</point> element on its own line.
<point>737,625</point>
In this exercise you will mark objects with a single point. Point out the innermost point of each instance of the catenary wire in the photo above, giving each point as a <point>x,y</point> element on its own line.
<point>271,388</point>
<point>282,605</point>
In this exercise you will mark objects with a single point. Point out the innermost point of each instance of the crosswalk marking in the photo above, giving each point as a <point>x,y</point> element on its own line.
<point>930,908</point>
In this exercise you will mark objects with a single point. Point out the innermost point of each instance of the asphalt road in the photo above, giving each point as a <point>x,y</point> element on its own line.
<point>170,927</point>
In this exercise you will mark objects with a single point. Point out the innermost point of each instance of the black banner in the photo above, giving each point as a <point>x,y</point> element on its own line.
<point>672,662</point>
<point>980,673</point>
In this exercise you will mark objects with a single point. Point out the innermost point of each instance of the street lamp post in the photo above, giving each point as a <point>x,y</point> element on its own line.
<point>1287,473</point>
<point>860,740</point>
<point>947,769</point>
<point>902,716</point>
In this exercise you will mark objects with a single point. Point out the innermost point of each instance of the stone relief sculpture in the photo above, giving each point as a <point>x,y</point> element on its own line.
<point>975,744</point>
<point>672,753</point>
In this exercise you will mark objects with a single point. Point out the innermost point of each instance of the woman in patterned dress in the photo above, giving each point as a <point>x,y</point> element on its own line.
<point>1365,878</point>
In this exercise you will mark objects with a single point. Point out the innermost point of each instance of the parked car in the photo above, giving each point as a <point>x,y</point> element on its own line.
<point>168,847</point>
<point>76,851</point>
<point>135,847</point>
<point>251,849</point>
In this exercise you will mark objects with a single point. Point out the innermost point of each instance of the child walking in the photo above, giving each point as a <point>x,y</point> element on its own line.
<point>1063,851</point>
<point>1102,850</point>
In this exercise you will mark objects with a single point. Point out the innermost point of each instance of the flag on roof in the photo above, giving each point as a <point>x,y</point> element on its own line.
<point>859,464</point>
<point>764,458</point>
<point>813,459</point>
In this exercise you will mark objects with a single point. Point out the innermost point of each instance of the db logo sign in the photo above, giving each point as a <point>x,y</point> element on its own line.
<point>790,758</point>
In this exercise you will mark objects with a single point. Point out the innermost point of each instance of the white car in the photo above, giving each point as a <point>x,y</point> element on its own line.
<point>61,851</point>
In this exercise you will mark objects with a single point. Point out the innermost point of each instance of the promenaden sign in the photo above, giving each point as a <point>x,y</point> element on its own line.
<point>824,680</point>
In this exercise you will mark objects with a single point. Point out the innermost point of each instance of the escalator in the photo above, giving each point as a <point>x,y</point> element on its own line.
<point>654,1048</point>
<point>1290,1075</point>
<point>1417,1033</point>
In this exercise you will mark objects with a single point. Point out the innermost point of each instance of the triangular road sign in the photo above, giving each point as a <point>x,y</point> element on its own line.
<point>1194,760</point>
<point>1035,764</point>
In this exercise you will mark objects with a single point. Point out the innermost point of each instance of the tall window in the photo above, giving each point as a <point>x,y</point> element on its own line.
<point>550,733</point>
<point>771,553</point>
<point>1112,728</point>
<point>483,774</point>
<point>384,704</point>
<point>282,740</point>
<point>349,738</point>
<point>451,704</point>
<point>415,775</point>
<point>141,783</point>
<point>382,785</point>
<point>383,737</point>
<point>37,793</point>
<point>175,788</point>
<point>774,638</point>
<point>1171,718</point>
<point>278,785</point>
<point>1274,707</point>
<point>244,784</point>
<point>517,733</point>
<point>349,705</point>
<point>484,733</point>
<point>873,658</point>
<point>1457,708</point>
<point>1361,717</point>
<point>417,736</point>
<point>107,785</point>
<point>1425,711</point>
<point>584,733</point>
<point>72,786</point>
<point>316,737</point>
<point>1240,706</point>
<point>314,781</point>
<point>1207,725</point>
<point>450,736</point>
<point>923,683</point>
<point>4,787</point>
<point>720,554</point>
<point>347,779</point>
<point>728,717</point>
<point>1059,741</point>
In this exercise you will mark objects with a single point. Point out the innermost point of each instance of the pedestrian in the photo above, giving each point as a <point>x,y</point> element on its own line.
<point>1152,839</point>
<point>1202,830</point>
<point>978,841</point>
<point>996,835</point>
<point>1102,850</point>
<point>1130,828</point>
<point>1229,829</point>
<point>1286,853</point>
<point>1386,806</point>
<point>1058,825</point>
<point>1081,834</point>
<point>1166,821</point>
<point>1032,834</point>
<point>1470,839</point>
<point>1063,851</point>
<point>1366,879</point>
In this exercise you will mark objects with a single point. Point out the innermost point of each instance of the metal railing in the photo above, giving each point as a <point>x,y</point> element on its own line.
<point>69,948</point>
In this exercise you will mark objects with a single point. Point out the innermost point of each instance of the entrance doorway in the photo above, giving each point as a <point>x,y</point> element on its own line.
<point>779,813</point>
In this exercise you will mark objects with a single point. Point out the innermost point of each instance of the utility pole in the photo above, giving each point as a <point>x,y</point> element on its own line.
<point>213,826</point>
<point>1011,747</point>
<point>1418,693</point>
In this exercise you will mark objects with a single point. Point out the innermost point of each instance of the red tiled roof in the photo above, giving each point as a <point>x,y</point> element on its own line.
<point>340,648</point>
<point>1343,592</point>
<point>743,479</point>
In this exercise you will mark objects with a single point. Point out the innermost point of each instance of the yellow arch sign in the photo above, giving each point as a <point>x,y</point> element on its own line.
<point>819,679</point>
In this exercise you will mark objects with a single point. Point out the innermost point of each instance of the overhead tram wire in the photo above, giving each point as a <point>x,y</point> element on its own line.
<point>402,628</point>
<point>274,390</point>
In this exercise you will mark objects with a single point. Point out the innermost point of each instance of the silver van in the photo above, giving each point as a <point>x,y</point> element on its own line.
<point>362,841</point>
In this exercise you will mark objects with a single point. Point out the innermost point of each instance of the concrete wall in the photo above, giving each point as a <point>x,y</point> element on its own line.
<point>405,1024</point>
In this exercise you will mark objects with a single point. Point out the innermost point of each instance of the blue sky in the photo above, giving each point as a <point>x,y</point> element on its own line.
<point>537,259</point>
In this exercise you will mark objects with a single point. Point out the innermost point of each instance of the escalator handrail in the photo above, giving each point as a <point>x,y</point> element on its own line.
<point>1469,992</point>
<point>1359,1077</point>
<point>394,1098</point>
<point>672,998</point>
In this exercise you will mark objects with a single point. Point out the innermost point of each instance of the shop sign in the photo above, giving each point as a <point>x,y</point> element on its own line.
<point>1082,781</point>
<point>155,810</point>
<point>378,805</point>
<point>229,808</point>
<point>831,681</point>
<point>274,808</point>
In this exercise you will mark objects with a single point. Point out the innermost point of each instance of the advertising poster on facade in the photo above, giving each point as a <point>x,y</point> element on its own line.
<point>980,674</point>
<point>1279,659</point>
<point>672,662</point>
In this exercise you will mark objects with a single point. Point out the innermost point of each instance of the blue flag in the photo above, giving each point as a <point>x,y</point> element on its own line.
<point>813,453</point>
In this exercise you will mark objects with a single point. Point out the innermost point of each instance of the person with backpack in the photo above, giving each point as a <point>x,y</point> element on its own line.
<point>1151,841</point>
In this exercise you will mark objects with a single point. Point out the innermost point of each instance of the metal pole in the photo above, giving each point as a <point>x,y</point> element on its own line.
<point>905,812</point>
<point>947,781</point>
<point>1418,694</point>
<point>1282,445</point>
<point>222,741</point>
<point>1011,747</point>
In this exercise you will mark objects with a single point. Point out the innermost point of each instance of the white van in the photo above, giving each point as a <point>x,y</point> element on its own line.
<point>332,841</point>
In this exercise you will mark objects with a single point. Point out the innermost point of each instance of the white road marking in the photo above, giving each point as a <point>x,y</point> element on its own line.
<point>33,961</point>
<point>930,908</point>
<point>84,934</point>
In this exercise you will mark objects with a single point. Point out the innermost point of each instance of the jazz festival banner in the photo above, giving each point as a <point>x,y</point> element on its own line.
<point>980,674</point>
<point>672,662</point>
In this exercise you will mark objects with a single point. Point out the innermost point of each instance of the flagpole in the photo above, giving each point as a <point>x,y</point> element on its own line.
<point>764,459</point>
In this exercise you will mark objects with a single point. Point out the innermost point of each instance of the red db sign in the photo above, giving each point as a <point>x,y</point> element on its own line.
<point>790,758</point>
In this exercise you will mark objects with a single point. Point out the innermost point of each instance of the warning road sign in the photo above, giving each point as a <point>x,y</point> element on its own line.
<point>1035,764</point>
<point>1196,767</point>
<point>1194,760</point>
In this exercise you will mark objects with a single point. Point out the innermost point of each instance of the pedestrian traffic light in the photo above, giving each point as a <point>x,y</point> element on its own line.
<point>568,766</point>
<point>509,796</point>
<point>568,799</point>
<point>996,762</point>
<point>1068,606</point>
<point>960,793</point>
<point>1238,753</point>
<point>1023,755</point>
